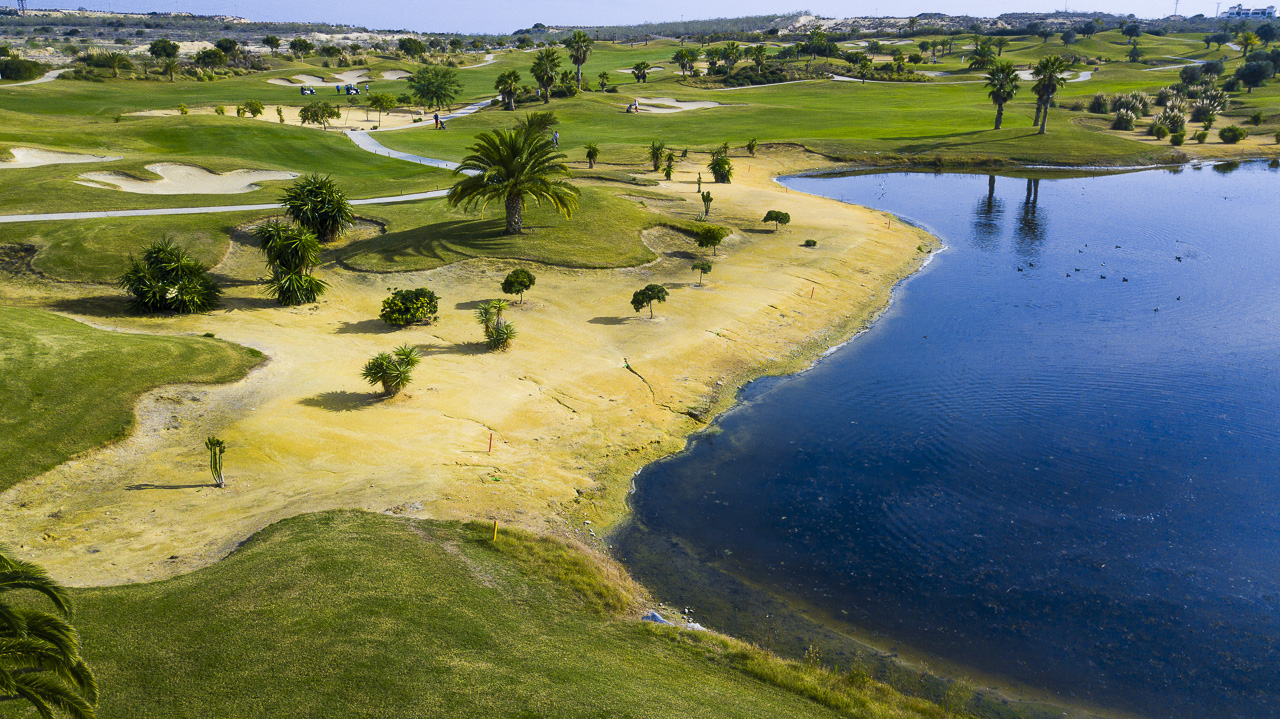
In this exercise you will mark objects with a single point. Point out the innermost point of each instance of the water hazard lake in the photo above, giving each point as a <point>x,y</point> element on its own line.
<point>1055,459</point>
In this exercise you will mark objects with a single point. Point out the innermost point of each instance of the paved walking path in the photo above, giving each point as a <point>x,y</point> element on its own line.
<point>45,217</point>
<point>47,77</point>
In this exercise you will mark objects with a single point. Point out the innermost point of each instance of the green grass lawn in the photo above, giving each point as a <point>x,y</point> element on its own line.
<point>98,250</point>
<point>604,232</point>
<point>63,391</point>
<point>350,614</point>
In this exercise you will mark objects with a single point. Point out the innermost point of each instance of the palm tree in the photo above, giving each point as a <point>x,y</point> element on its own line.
<point>117,60</point>
<point>316,203</point>
<point>1247,41</point>
<point>546,70</point>
<point>1002,80</point>
<point>593,153</point>
<point>170,67</point>
<point>685,57</point>
<point>640,71</point>
<point>758,55</point>
<point>508,86</point>
<point>1001,43</point>
<point>1050,74</point>
<point>511,166</point>
<point>731,53</point>
<point>393,370</point>
<point>40,660</point>
<point>579,46</point>
<point>603,77</point>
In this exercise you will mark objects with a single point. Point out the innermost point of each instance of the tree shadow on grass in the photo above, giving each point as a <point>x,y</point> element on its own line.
<point>758,231</point>
<point>613,321</point>
<point>366,327</point>
<point>341,401</point>
<point>95,306</point>
<point>472,305</point>
<point>148,485</point>
<point>439,243</point>
<point>681,255</point>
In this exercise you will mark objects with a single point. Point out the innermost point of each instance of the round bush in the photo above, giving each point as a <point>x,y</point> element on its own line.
<point>1232,134</point>
<point>407,307</point>
<point>1202,136</point>
<point>1160,131</point>
<point>1099,104</point>
<point>1177,138</point>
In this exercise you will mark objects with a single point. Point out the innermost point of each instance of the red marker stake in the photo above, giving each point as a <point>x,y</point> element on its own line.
<point>491,443</point>
<point>811,289</point>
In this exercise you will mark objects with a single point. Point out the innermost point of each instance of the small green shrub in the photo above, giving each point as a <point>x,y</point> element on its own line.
<point>1177,138</point>
<point>1256,118</point>
<point>220,110</point>
<point>1160,131</point>
<point>409,307</point>
<point>182,110</point>
<point>810,243</point>
<point>1100,103</point>
<point>1201,136</point>
<point>1231,134</point>
<point>1123,120</point>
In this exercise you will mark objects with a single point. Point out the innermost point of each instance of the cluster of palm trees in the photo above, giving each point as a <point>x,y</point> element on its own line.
<point>1049,75</point>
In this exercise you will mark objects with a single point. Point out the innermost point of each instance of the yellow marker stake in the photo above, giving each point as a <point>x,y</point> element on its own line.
<point>495,530</point>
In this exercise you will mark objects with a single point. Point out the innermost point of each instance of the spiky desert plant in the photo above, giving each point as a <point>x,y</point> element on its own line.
<point>316,203</point>
<point>593,154</point>
<point>393,370</point>
<point>216,449</point>
<point>292,252</point>
<point>167,279</point>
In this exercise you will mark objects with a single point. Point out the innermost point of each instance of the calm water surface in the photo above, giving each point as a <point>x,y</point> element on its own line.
<point>1055,458</point>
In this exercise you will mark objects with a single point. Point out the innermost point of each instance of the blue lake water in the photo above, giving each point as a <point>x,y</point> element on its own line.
<point>1055,458</point>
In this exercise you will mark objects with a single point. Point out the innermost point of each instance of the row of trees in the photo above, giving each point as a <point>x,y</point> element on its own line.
<point>1049,75</point>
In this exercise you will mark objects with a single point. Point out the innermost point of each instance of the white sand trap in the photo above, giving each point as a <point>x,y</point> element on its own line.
<point>628,70</point>
<point>298,80</point>
<point>30,157</point>
<point>662,105</point>
<point>184,180</point>
<point>352,76</point>
<point>395,74</point>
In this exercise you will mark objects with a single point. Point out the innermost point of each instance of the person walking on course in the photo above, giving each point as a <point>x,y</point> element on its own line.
<point>555,140</point>
<point>436,117</point>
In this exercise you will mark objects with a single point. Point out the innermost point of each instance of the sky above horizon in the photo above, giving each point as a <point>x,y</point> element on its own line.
<point>505,16</point>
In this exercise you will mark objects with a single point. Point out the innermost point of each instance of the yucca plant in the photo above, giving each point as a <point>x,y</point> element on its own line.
<point>291,252</point>
<point>498,332</point>
<point>316,203</point>
<point>593,153</point>
<point>393,370</point>
<point>656,148</point>
<point>40,661</point>
<point>721,169</point>
<point>167,279</point>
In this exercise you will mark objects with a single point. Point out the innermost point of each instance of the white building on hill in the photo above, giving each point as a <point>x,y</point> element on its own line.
<point>1240,11</point>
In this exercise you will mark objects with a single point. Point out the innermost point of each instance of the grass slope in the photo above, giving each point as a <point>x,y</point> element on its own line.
<point>604,232</point>
<point>360,615</point>
<point>66,387</point>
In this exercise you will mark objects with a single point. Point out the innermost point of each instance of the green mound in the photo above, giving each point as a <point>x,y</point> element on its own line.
<point>360,615</point>
<point>66,387</point>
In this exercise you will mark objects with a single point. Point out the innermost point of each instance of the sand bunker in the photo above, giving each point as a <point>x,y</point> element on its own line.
<point>184,180</point>
<point>662,105</point>
<point>30,157</point>
<point>652,69</point>
<point>395,74</point>
<point>350,77</point>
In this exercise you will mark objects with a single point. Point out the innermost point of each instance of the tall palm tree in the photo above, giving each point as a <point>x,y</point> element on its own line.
<point>731,53</point>
<point>640,71</point>
<point>758,55</point>
<point>511,166</point>
<point>546,70</point>
<point>579,46</point>
<point>170,67</point>
<point>508,86</point>
<point>40,660</point>
<point>1002,80</point>
<point>1001,43</point>
<point>1050,75</point>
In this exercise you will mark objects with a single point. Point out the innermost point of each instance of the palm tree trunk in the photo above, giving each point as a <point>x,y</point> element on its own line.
<point>579,78</point>
<point>999,114</point>
<point>1039,109</point>
<point>1044,119</point>
<point>515,214</point>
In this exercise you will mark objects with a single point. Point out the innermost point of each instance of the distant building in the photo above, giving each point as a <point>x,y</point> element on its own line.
<point>1240,11</point>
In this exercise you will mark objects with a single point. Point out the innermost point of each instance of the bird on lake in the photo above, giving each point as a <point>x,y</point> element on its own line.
<point>1124,279</point>
<point>1104,277</point>
<point>1178,258</point>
